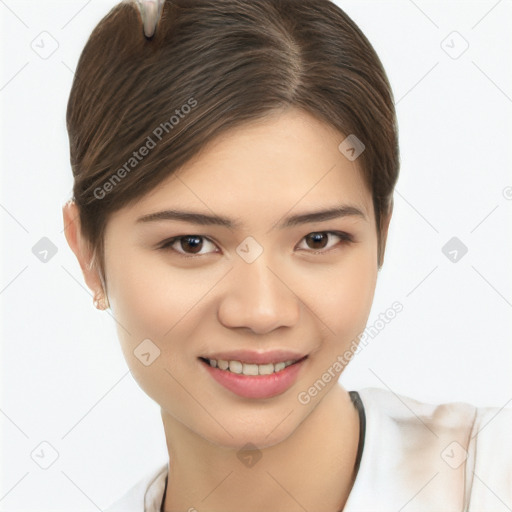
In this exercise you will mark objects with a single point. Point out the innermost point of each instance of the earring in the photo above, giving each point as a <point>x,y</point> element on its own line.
<point>101,301</point>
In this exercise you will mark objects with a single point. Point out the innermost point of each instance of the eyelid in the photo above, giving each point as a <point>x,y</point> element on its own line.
<point>165,245</point>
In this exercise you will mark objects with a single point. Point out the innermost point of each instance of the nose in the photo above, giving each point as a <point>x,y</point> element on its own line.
<point>259,297</point>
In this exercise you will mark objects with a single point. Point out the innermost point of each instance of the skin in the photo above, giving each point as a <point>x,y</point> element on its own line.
<point>288,298</point>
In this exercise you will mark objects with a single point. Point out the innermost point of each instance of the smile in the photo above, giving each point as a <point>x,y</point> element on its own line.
<point>240,367</point>
<point>251,380</point>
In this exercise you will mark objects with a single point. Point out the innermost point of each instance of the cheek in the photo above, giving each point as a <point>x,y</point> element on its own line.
<point>153,321</point>
<point>147,294</point>
<point>142,304</point>
<point>345,301</point>
<point>154,300</point>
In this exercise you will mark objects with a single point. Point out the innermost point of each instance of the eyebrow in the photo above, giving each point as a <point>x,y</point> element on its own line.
<point>215,220</point>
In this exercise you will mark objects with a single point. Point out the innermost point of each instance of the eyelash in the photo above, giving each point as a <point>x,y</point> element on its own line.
<point>166,245</point>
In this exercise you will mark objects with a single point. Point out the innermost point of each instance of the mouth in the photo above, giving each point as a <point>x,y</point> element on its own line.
<point>250,369</point>
<point>252,380</point>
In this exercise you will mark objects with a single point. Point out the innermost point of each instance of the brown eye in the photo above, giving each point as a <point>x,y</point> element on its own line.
<point>317,240</point>
<point>194,243</point>
<point>187,245</point>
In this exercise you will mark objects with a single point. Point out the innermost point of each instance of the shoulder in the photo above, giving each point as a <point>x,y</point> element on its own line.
<point>145,496</point>
<point>452,454</point>
<point>487,425</point>
<point>490,458</point>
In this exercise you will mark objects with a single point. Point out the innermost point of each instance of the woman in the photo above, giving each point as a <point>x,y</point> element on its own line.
<point>234,166</point>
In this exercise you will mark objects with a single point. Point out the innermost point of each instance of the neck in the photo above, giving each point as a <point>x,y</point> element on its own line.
<point>313,469</point>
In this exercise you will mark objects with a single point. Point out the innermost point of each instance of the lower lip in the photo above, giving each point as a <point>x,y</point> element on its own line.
<point>257,386</point>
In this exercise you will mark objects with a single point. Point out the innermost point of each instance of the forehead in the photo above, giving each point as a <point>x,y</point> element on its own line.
<point>289,160</point>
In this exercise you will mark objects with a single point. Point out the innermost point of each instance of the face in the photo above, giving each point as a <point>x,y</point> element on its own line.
<point>210,290</point>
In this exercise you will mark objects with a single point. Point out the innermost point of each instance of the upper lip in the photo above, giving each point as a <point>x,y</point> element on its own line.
<point>251,357</point>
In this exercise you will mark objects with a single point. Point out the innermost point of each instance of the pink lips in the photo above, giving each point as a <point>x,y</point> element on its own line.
<point>257,386</point>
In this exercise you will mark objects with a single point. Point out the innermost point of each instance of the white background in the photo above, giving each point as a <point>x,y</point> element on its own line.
<point>64,379</point>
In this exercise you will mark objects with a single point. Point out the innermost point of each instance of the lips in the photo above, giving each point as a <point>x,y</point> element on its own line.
<point>253,374</point>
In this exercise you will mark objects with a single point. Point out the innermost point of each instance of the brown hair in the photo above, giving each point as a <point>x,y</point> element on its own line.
<point>213,65</point>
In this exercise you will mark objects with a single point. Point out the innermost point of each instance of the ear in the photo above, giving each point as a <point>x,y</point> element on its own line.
<point>384,229</point>
<point>80,247</point>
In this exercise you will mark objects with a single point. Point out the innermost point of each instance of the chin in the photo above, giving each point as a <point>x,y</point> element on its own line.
<point>261,428</point>
<point>248,438</point>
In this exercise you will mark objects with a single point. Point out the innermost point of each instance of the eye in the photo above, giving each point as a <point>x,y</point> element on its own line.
<point>191,245</point>
<point>319,240</point>
<point>193,242</point>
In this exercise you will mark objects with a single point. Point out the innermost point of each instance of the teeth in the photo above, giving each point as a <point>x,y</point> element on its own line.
<point>223,365</point>
<point>249,368</point>
<point>265,369</point>
<point>236,366</point>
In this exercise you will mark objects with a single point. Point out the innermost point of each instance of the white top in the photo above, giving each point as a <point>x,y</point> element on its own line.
<point>417,457</point>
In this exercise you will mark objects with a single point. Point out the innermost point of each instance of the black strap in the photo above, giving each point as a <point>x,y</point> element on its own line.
<point>165,492</point>
<point>356,399</point>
